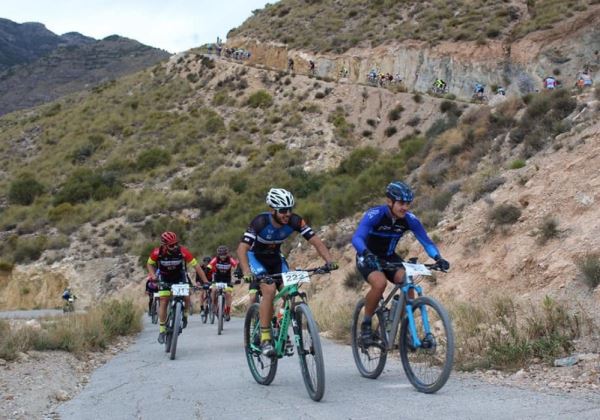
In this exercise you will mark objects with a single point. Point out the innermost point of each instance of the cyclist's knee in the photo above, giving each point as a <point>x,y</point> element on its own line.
<point>377,281</point>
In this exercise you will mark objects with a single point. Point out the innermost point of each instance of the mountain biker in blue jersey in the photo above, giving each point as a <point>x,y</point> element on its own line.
<point>375,240</point>
<point>259,252</point>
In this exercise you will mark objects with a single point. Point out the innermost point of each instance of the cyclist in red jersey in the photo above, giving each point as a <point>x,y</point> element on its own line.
<point>168,263</point>
<point>221,267</point>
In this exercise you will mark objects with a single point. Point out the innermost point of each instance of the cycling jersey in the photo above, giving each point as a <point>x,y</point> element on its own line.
<point>379,232</point>
<point>207,272</point>
<point>264,238</point>
<point>172,265</point>
<point>221,269</point>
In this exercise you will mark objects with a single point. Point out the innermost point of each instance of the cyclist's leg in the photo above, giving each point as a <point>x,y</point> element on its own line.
<point>164,293</point>
<point>228,299</point>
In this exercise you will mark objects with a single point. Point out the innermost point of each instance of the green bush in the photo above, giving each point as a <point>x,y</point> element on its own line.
<point>354,280</point>
<point>589,267</point>
<point>152,158</point>
<point>504,214</point>
<point>85,184</point>
<point>29,249</point>
<point>260,99</point>
<point>24,190</point>
<point>547,230</point>
<point>120,318</point>
<point>517,164</point>
<point>390,131</point>
<point>395,113</point>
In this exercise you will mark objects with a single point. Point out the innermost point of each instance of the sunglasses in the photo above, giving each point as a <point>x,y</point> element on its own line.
<point>284,210</point>
<point>172,246</point>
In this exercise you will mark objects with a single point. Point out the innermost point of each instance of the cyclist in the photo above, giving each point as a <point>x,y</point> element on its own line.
<point>311,67</point>
<point>290,64</point>
<point>440,85</point>
<point>375,240</point>
<point>550,83</point>
<point>205,290</point>
<point>171,260</point>
<point>151,288</point>
<point>500,91</point>
<point>220,272</point>
<point>259,252</point>
<point>479,89</point>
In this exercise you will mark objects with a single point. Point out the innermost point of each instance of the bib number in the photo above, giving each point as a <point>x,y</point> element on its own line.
<point>416,269</point>
<point>295,277</point>
<point>180,290</point>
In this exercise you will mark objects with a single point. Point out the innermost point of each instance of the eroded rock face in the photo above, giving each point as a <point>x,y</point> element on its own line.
<point>569,47</point>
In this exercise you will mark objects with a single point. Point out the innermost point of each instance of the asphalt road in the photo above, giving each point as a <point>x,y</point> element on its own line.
<point>210,380</point>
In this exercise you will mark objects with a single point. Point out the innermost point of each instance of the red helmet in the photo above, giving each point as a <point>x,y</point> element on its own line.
<point>168,238</point>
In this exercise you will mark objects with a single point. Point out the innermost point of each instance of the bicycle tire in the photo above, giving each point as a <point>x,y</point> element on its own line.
<point>314,378</point>
<point>169,324</point>
<point>154,310</point>
<point>262,368</point>
<point>369,361</point>
<point>211,312</point>
<point>438,320</point>
<point>220,308</point>
<point>204,312</point>
<point>176,327</point>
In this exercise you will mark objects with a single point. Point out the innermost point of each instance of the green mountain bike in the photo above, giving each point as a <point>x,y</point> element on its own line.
<point>306,333</point>
<point>426,339</point>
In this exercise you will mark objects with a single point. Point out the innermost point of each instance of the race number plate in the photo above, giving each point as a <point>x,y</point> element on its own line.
<point>416,269</point>
<point>180,290</point>
<point>295,277</point>
<point>221,285</point>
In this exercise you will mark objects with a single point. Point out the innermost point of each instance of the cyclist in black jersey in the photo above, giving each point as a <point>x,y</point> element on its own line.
<point>259,252</point>
<point>375,240</point>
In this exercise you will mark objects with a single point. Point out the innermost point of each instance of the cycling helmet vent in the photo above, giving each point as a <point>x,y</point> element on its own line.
<point>279,198</point>
<point>399,191</point>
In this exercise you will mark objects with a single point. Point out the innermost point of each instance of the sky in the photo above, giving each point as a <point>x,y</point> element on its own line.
<point>173,25</point>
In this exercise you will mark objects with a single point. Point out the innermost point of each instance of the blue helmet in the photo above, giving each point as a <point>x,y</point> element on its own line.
<point>399,191</point>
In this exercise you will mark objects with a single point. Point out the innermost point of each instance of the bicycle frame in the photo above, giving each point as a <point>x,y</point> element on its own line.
<point>405,309</point>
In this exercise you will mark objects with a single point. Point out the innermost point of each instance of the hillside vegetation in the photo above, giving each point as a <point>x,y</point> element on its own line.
<point>336,26</point>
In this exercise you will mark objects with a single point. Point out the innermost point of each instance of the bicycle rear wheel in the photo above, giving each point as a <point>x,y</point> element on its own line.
<point>310,352</point>
<point>428,366</point>
<point>370,360</point>
<point>176,328</point>
<point>263,368</point>
<point>220,307</point>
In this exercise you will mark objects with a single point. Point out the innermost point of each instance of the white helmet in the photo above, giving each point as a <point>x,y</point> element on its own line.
<point>279,198</point>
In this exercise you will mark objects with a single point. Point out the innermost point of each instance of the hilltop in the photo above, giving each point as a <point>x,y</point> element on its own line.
<point>38,66</point>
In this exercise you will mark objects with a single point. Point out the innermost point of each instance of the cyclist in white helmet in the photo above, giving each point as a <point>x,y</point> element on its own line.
<point>259,252</point>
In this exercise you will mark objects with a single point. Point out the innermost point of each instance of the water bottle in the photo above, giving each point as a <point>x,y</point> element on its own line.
<point>395,307</point>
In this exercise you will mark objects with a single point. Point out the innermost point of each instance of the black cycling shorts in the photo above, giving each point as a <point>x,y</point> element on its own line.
<point>389,274</point>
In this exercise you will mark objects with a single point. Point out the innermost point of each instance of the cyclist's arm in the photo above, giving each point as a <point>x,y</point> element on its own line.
<point>151,263</point>
<point>200,273</point>
<point>242,253</point>
<point>369,220</point>
<point>419,231</point>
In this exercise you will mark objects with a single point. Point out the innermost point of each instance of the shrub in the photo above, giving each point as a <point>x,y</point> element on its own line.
<point>153,157</point>
<point>446,106</point>
<point>417,98</point>
<point>547,230</point>
<point>354,280</point>
<point>517,164</point>
<point>390,131</point>
<point>504,214</point>
<point>260,99</point>
<point>372,122</point>
<point>24,190</point>
<point>589,267</point>
<point>414,121</point>
<point>85,184</point>
<point>120,318</point>
<point>395,113</point>
<point>29,249</point>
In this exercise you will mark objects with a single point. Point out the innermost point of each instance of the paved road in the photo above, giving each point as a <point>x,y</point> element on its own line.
<point>35,313</point>
<point>210,380</point>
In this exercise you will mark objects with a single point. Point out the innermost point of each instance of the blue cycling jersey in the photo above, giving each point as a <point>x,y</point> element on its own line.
<point>379,232</point>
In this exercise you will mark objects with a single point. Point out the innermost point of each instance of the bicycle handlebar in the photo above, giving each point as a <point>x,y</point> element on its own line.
<point>317,270</point>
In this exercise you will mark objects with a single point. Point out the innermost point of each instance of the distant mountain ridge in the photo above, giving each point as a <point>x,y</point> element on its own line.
<point>37,66</point>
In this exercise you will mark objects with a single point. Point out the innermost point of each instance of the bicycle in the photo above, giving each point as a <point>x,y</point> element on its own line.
<point>479,97</point>
<point>175,316</point>
<point>69,305</point>
<point>425,332</point>
<point>206,304</point>
<point>306,333</point>
<point>154,308</point>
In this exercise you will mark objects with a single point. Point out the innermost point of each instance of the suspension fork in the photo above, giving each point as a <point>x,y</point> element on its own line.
<point>411,319</point>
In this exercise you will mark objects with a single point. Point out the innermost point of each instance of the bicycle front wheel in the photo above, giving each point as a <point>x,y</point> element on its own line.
<point>154,311</point>
<point>204,312</point>
<point>211,311</point>
<point>310,352</point>
<point>176,328</point>
<point>427,366</point>
<point>263,368</point>
<point>369,359</point>
<point>220,307</point>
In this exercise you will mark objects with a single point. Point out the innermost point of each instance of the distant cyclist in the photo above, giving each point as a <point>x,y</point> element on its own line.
<point>221,267</point>
<point>151,288</point>
<point>259,252</point>
<point>550,83</point>
<point>205,290</point>
<point>171,260</point>
<point>479,90</point>
<point>375,241</point>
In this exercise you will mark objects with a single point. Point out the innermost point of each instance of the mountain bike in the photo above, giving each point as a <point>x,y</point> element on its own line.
<point>154,308</point>
<point>220,307</point>
<point>175,316</point>
<point>306,333</point>
<point>426,340</point>
<point>69,305</point>
<point>206,303</point>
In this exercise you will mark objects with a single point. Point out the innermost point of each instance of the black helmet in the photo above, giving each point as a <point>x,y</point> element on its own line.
<point>206,260</point>
<point>222,251</point>
<point>399,191</point>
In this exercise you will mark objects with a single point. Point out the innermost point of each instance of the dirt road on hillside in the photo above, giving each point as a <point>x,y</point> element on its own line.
<point>210,379</point>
